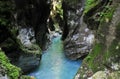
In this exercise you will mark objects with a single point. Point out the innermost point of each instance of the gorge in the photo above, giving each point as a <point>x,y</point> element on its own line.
<point>59,39</point>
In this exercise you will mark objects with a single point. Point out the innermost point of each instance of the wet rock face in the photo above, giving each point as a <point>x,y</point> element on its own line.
<point>79,39</point>
<point>31,55</point>
<point>23,28</point>
<point>28,61</point>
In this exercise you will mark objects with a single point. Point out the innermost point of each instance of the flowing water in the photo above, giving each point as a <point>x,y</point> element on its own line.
<point>54,65</point>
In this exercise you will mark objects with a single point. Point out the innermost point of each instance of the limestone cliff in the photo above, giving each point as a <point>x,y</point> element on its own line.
<point>103,61</point>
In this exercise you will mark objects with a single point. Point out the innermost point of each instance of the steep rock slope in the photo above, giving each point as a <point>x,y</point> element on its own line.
<point>103,61</point>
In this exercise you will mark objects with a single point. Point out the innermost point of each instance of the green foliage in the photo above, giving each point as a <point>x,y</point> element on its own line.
<point>57,8</point>
<point>12,71</point>
<point>88,58</point>
<point>57,13</point>
<point>90,4</point>
<point>107,14</point>
<point>26,77</point>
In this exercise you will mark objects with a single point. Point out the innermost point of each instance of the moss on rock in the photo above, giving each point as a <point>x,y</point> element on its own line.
<point>89,4</point>
<point>26,77</point>
<point>107,14</point>
<point>94,57</point>
<point>12,71</point>
<point>106,51</point>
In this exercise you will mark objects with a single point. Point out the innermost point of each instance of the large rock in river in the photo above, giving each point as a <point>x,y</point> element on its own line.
<point>78,39</point>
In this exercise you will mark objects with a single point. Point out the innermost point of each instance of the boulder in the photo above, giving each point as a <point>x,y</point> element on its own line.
<point>105,75</point>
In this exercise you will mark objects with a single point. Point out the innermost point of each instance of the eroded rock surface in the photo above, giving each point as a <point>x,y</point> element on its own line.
<point>79,39</point>
<point>103,61</point>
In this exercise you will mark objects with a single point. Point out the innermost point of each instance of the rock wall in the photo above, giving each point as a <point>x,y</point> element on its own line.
<point>103,61</point>
<point>34,15</point>
<point>78,39</point>
<point>23,31</point>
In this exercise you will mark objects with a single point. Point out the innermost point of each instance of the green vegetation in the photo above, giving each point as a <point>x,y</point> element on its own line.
<point>26,77</point>
<point>90,4</point>
<point>107,14</point>
<point>32,49</point>
<point>57,8</point>
<point>104,15</point>
<point>92,58</point>
<point>12,71</point>
<point>57,13</point>
<point>103,55</point>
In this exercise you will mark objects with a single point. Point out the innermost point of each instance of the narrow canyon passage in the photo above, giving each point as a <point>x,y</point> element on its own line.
<point>54,64</point>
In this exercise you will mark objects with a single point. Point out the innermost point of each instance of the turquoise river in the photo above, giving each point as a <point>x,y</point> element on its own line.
<point>54,64</point>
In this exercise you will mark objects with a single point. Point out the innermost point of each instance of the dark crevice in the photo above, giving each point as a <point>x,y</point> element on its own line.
<point>65,27</point>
